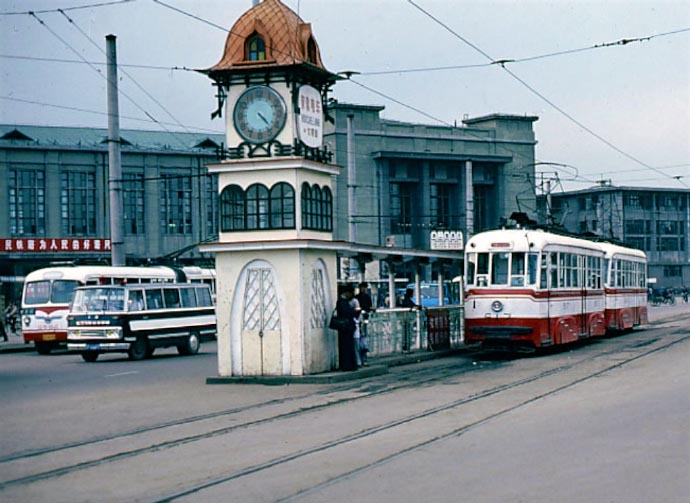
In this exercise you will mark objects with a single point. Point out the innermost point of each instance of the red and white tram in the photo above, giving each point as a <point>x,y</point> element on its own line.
<point>528,289</point>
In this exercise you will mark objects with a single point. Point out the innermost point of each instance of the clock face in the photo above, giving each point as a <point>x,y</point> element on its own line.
<point>260,114</point>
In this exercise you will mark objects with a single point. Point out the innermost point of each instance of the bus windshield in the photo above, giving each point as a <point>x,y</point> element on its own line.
<point>99,299</point>
<point>43,292</point>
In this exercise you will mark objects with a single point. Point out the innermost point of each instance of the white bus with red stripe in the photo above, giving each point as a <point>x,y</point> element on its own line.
<point>528,289</point>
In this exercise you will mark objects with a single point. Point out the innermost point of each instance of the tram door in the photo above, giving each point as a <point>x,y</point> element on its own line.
<point>261,323</point>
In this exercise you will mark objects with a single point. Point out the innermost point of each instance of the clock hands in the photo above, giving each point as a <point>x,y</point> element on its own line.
<point>261,116</point>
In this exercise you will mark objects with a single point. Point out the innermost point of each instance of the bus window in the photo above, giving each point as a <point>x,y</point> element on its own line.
<point>172,298</point>
<point>136,300</point>
<point>187,296</point>
<point>499,268</point>
<point>154,299</point>
<point>37,292</point>
<point>517,270</point>
<point>62,291</point>
<point>203,296</point>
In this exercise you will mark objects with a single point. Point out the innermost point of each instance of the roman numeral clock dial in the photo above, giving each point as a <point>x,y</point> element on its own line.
<point>260,114</point>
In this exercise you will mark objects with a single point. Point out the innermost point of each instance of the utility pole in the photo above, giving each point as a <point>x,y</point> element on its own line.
<point>351,180</point>
<point>117,250</point>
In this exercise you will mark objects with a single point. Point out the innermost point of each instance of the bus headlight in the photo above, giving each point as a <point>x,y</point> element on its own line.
<point>497,306</point>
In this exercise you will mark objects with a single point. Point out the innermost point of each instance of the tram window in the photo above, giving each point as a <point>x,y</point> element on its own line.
<point>532,268</point>
<point>499,268</point>
<point>482,263</point>
<point>471,267</point>
<point>553,267</point>
<point>544,272</point>
<point>517,271</point>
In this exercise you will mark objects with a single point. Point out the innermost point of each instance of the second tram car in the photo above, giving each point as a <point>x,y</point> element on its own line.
<point>529,289</point>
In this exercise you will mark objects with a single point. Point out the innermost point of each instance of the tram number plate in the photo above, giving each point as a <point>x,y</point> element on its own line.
<point>93,347</point>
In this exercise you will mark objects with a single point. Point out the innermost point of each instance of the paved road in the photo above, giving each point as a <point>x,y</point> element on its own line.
<point>603,421</point>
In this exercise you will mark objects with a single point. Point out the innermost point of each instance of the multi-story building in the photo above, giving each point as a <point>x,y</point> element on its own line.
<point>655,220</point>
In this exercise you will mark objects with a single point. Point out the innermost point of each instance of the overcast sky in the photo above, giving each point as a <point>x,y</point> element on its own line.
<point>607,109</point>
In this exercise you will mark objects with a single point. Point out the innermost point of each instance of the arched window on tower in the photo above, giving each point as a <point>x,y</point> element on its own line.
<point>232,209</point>
<point>327,209</point>
<point>255,48</point>
<point>282,206</point>
<point>311,51</point>
<point>257,207</point>
<point>306,206</point>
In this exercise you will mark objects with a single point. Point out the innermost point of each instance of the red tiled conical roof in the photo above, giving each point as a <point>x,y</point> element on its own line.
<point>288,39</point>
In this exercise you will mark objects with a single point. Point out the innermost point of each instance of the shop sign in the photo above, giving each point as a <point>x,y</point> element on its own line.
<point>310,120</point>
<point>447,240</point>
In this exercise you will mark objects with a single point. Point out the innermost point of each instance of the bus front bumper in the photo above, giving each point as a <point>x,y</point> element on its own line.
<point>98,346</point>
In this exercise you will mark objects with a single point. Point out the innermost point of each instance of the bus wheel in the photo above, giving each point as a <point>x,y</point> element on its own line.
<point>139,349</point>
<point>43,348</point>
<point>190,346</point>
<point>89,356</point>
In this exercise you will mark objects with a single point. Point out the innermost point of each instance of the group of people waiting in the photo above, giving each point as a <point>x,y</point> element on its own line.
<point>352,339</point>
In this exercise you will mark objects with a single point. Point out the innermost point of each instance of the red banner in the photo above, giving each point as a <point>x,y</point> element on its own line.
<point>54,245</point>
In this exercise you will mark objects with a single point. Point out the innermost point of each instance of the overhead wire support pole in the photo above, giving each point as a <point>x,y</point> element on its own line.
<point>117,251</point>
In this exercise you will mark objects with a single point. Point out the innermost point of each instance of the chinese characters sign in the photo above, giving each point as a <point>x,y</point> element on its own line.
<point>54,245</point>
<point>310,122</point>
<point>446,240</point>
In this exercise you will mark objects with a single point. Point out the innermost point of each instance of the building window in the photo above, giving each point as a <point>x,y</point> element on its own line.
<point>401,197</point>
<point>176,204</point>
<point>256,48</point>
<point>232,209</point>
<point>282,206</point>
<point>27,202</point>
<point>317,208</point>
<point>311,51</point>
<point>672,271</point>
<point>78,203</point>
<point>211,187</point>
<point>440,205</point>
<point>133,203</point>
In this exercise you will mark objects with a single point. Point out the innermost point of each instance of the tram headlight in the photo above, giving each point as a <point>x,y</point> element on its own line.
<point>497,306</point>
<point>27,321</point>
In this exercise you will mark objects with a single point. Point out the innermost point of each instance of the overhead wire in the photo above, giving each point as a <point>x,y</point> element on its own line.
<point>126,73</point>
<point>537,93</point>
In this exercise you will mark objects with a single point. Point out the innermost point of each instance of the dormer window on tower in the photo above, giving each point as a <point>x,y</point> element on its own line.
<point>311,51</point>
<point>255,48</point>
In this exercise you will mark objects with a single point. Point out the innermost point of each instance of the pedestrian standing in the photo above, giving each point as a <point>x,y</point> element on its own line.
<point>367,306</point>
<point>346,342</point>
<point>356,336</point>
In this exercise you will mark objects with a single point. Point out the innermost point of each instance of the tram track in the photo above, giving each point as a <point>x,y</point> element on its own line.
<point>338,396</point>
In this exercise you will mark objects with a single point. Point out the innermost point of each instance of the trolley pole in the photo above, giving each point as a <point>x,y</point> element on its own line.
<point>117,251</point>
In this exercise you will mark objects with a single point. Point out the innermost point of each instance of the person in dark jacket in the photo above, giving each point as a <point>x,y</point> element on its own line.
<point>347,360</point>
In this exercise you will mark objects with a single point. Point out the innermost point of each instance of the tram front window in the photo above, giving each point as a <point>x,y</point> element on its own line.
<point>499,268</point>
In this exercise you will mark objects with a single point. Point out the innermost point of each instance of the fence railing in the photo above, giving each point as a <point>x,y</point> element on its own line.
<point>391,331</point>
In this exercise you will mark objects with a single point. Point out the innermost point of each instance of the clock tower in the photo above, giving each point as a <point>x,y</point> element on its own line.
<point>276,260</point>
<point>272,86</point>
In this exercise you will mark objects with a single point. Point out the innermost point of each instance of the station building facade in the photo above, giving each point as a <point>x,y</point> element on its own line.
<point>655,220</point>
<point>399,182</point>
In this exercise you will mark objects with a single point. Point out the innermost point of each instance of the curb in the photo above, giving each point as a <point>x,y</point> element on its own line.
<point>379,368</point>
